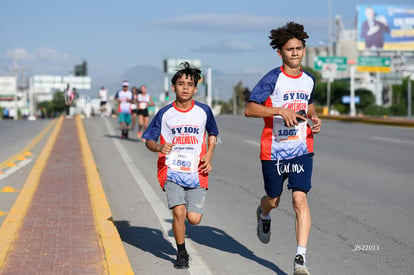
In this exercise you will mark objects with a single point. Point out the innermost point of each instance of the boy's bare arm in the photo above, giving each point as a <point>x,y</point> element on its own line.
<point>159,148</point>
<point>206,164</point>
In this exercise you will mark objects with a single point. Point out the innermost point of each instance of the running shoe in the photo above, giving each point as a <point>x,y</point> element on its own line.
<point>182,260</point>
<point>139,135</point>
<point>263,227</point>
<point>299,267</point>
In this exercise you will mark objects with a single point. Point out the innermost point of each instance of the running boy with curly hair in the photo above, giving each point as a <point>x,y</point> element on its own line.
<point>284,99</point>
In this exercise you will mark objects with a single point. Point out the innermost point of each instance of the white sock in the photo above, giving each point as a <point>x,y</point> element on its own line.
<point>265,217</point>
<point>301,250</point>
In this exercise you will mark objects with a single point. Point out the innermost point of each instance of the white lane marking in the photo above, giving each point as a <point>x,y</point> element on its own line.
<point>394,140</point>
<point>197,264</point>
<point>252,142</point>
<point>13,169</point>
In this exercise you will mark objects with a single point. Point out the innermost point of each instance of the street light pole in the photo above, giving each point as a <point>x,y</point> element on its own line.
<point>209,90</point>
<point>409,96</point>
<point>352,111</point>
<point>16,75</point>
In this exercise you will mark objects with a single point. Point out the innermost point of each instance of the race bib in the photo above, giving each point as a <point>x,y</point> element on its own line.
<point>181,162</point>
<point>283,133</point>
<point>143,105</point>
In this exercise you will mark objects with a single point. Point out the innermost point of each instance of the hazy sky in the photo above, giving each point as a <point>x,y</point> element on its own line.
<point>50,37</point>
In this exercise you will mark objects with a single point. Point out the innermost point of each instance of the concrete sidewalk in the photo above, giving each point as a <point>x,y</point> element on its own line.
<point>61,223</point>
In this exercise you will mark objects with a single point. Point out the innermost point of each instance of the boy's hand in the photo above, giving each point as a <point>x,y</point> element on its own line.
<point>290,117</point>
<point>317,122</point>
<point>206,165</point>
<point>166,148</point>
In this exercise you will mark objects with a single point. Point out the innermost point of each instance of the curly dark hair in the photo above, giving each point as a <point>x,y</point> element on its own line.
<point>189,71</point>
<point>279,37</point>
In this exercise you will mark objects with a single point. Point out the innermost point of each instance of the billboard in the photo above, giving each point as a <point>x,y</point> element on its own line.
<point>385,27</point>
<point>8,87</point>
<point>60,82</point>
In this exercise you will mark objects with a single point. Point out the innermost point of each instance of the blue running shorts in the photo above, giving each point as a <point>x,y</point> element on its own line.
<point>298,171</point>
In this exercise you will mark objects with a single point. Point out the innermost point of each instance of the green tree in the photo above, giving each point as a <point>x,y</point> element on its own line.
<point>55,107</point>
<point>238,92</point>
<point>366,99</point>
<point>320,91</point>
<point>58,101</point>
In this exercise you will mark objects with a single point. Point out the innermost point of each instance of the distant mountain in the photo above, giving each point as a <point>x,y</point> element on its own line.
<point>222,83</point>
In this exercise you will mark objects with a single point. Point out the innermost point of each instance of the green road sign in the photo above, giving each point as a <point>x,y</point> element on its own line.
<point>340,61</point>
<point>374,64</point>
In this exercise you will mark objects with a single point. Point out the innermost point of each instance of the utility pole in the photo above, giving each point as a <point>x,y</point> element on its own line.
<point>16,75</point>
<point>352,111</point>
<point>166,96</point>
<point>209,91</point>
<point>409,95</point>
<point>329,27</point>
<point>234,102</point>
<point>31,102</point>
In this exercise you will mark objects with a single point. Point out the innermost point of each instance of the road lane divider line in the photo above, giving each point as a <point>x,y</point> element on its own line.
<point>394,140</point>
<point>12,224</point>
<point>198,265</point>
<point>256,143</point>
<point>116,258</point>
<point>15,168</point>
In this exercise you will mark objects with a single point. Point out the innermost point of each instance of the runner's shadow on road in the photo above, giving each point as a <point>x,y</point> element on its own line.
<point>220,240</point>
<point>147,239</point>
<point>133,139</point>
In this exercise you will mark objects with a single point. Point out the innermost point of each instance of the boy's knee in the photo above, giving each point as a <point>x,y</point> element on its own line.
<point>272,202</point>
<point>299,200</point>
<point>194,218</point>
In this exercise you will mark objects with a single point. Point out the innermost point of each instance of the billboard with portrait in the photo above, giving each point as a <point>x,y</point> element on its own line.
<point>385,27</point>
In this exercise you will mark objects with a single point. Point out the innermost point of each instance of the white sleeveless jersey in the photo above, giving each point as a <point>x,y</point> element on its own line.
<point>143,101</point>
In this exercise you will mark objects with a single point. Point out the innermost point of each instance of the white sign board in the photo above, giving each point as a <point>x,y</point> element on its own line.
<point>173,65</point>
<point>329,70</point>
<point>8,85</point>
<point>60,82</point>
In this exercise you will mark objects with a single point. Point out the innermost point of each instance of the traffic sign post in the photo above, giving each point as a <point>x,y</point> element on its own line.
<point>374,64</point>
<point>340,61</point>
<point>329,65</point>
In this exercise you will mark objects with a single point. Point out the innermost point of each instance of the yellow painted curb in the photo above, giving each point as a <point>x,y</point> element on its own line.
<point>116,257</point>
<point>371,120</point>
<point>11,225</point>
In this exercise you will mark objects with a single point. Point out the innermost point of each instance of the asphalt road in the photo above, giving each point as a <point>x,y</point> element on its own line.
<point>360,202</point>
<point>16,134</point>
